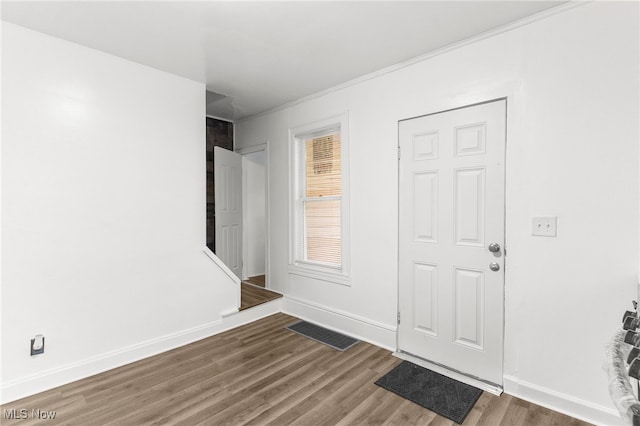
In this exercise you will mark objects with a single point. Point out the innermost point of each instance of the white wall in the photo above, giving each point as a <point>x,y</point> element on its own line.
<point>103,195</point>
<point>255,212</point>
<point>572,85</point>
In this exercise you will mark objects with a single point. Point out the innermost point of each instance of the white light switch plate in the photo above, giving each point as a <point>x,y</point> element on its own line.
<point>544,226</point>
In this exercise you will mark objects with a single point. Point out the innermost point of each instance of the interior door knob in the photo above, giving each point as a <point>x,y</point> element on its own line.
<point>494,247</point>
<point>494,266</point>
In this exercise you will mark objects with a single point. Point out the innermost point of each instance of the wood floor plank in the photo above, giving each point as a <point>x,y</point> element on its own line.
<point>328,408</point>
<point>410,414</point>
<point>479,408</point>
<point>213,399</point>
<point>494,413</point>
<point>374,409</point>
<point>310,383</point>
<point>559,419</point>
<point>259,280</point>
<point>258,374</point>
<point>162,409</point>
<point>441,421</point>
<point>537,416</point>
<point>515,414</point>
<point>252,295</point>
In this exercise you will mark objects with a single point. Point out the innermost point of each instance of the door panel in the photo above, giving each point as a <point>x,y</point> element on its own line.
<point>451,208</point>
<point>228,208</point>
<point>469,187</point>
<point>425,296</point>
<point>469,307</point>
<point>425,212</point>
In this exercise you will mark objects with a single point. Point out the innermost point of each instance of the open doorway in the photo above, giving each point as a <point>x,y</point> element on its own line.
<point>237,211</point>
<point>255,222</point>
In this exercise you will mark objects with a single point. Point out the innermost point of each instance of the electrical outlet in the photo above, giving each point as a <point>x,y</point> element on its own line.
<point>544,226</point>
<point>37,345</point>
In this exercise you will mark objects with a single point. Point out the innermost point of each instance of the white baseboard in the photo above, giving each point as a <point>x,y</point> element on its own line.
<point>364,329</point>
<point>250,315</point>
<point>562,403</point>
<point>358,327</point>
<point>49,379</point>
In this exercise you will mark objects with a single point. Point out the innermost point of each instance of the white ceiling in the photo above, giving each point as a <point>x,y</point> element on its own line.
<point>258,55</point>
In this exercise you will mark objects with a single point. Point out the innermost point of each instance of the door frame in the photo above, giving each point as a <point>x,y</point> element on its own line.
<point>440,368</point>
<point>245,238</point>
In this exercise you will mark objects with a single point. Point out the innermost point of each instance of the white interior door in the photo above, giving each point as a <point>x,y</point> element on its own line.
<point>451,209</point>
<point>228,207</point>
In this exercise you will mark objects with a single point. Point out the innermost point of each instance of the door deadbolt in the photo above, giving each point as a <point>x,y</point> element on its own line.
<point>494,247</point>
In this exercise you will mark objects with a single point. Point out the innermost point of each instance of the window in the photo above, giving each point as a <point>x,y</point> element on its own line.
<point>319,199</point>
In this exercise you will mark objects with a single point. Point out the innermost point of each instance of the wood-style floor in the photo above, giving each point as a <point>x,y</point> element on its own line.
<point>259,280</point>
<point>259,374</point>
<point>251,295</point>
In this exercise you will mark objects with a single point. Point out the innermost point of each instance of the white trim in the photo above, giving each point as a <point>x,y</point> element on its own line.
<point>211,255</point>
<point>228,120</point>
<point>239,318</point>
<point>267,194</point>
<point>31,384</point>
<point>230,312</point>
<point>310,271</point>
<point>1,198</point>
<point>252,149</point>
<point>489,387</point>
<point>365,329</point>
<point>478,37</point>
<point>638,285</point>
<point>329,274</point>
<point>562,403</point>
<point>245,233</point>
<point>40,382</point>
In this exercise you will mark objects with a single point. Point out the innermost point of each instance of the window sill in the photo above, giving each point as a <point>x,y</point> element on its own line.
<point>334,277</point>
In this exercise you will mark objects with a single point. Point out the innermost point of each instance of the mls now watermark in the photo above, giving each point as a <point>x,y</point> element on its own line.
<point>22,414</point>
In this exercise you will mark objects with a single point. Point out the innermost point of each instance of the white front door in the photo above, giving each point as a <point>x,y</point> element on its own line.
<point>228,207</point>
<point>451,209</point>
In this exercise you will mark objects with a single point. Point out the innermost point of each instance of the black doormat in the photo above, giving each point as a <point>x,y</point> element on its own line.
<point>433,391</point>
<point>320,334</point>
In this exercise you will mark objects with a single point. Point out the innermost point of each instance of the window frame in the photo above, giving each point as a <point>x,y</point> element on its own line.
<point>297,264</point>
